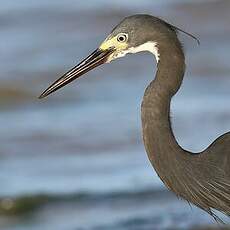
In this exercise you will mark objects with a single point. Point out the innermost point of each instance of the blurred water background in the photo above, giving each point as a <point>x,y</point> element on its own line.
<point>75,161</point>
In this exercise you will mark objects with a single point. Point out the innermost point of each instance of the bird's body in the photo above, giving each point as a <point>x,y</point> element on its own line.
<point>200,178</point>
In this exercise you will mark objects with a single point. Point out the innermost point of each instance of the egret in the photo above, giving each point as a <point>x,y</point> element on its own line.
<point>200,178</point>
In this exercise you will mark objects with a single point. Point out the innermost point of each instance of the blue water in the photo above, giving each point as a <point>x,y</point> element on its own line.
<point>81,148</point>
<point>94,5</point>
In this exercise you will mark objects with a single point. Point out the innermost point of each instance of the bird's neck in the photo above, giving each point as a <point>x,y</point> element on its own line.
<point>160,143</point>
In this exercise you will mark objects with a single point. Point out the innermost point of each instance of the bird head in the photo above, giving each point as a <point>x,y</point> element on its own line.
<point>134,34</point>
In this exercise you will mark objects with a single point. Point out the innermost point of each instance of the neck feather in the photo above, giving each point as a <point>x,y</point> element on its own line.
<point>160,143</point>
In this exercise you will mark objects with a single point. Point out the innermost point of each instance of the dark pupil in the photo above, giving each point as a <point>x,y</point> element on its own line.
<point>121,38</point>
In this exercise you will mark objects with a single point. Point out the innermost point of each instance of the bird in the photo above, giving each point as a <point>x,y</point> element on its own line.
<point>202,178</point>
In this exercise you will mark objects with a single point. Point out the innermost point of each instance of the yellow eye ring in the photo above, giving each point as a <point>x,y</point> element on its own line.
<point>122,37</point>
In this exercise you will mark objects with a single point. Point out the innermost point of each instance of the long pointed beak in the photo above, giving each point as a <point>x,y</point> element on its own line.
<point>95,59</point>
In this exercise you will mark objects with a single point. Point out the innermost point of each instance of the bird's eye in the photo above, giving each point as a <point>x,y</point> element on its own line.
<point>122,37</point>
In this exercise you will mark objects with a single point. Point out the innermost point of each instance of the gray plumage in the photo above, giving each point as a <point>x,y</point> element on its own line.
<point>202,178</point>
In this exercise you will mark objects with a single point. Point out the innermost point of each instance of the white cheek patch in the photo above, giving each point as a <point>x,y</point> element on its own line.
<point>148,46</point>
